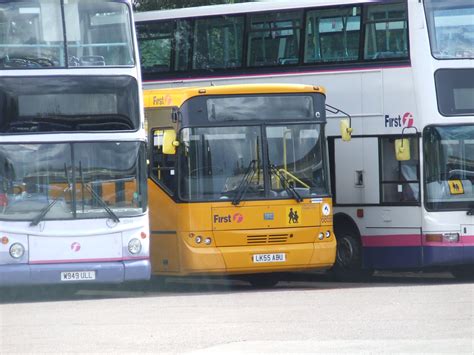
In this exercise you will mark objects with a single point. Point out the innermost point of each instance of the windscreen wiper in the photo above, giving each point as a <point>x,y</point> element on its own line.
<point>244,183</point>
<point>285,183</point>
<point>97,197</point>
<point>46,209</point>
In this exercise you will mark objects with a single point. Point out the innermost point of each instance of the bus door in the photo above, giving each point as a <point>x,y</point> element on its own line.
<point>163,189</point>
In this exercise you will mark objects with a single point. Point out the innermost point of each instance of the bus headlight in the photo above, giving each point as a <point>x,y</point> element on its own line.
<point>207,241</point>
<point>134,246</point>
<point>17,250</point>
<point>451,237</point>
<point>328,234</point>
<point>321,236</point>
<point>198,239</point>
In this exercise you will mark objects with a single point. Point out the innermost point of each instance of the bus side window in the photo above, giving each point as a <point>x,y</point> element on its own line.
<point>274,39</point>
<point>155,41</point>
<point>332,35</point>
<point>386,32</point>
<point>163,167</point>
<point>400,180</point>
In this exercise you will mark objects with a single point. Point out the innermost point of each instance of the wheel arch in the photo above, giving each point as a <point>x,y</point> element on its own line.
<point>344,223</point>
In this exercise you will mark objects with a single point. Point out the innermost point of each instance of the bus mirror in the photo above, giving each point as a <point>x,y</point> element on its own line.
<point>169,142</point>
<point>346,130</point>
<point>402,149</point>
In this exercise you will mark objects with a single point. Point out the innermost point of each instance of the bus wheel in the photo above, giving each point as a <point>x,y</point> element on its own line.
<point>348,266</point>
<point>262,281</point>
<point>464,272</point>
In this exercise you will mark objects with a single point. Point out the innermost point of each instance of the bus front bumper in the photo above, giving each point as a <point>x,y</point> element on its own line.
<point>104,272</point>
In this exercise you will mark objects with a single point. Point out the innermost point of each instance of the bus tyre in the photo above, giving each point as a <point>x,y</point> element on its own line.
<point>348,266</point>
<point>464,272</point>
<point>262,281</point>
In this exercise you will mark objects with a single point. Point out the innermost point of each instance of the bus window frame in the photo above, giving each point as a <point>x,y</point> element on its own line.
<point>245,69</point>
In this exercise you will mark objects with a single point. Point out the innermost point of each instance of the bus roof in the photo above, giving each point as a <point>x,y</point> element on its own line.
<point>240,8</point>
<point>175,97</point>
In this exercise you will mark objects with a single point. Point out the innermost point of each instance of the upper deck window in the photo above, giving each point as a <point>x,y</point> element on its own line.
<point>32,36</point>
<point>332,35</point>
<point>274,38</point>
<point>386,34</point>
<point>451,28</point>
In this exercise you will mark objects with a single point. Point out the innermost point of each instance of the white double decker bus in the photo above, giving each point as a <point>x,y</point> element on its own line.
<point>402,69</point>
<point>73,196</point>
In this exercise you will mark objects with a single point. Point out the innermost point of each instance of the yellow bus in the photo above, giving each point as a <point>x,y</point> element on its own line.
<point>239,181</point>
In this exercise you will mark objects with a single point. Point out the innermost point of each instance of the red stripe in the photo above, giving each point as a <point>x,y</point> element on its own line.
<point>395,240</point>
<point>88,260</point>
<point>276,74</point>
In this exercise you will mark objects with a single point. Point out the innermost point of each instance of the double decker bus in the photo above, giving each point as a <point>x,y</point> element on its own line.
<point>238,181</point>
<point>73,195</point>
<point>402,68</point>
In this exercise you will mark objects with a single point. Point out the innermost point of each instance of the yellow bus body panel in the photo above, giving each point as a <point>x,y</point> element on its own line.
<point>237,233</point>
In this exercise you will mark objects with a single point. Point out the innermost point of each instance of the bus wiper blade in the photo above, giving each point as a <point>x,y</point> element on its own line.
<point>244,183</point>
<point>285,183</point>
<point>97,197</point>
<point>46,209</point>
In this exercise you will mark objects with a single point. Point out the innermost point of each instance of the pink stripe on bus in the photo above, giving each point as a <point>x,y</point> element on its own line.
<point>394,240</point>
<point>88,260</point>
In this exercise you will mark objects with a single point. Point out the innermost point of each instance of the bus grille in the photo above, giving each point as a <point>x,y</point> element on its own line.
<point>267,239</point>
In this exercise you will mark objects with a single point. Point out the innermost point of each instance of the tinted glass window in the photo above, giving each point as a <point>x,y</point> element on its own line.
<point>386,31</point>
<point>182,46</point>
<point>332,35</point>
<point>274,38</point>
<point>400,179</point>
<point>218,42</point>
<point>72,103</point>
<point>155,41</point>
<point>455,91</point>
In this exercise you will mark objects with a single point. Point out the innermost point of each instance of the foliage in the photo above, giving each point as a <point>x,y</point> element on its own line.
<point>148,5</point>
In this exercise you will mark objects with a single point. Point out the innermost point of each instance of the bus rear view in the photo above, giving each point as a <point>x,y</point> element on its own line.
<point>239,181</point>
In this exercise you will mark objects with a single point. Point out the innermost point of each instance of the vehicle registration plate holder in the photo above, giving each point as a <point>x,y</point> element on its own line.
<point>78,275</point>
<point>269,258</point>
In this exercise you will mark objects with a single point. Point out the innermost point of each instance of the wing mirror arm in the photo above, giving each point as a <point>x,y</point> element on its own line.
<point>346,124</point>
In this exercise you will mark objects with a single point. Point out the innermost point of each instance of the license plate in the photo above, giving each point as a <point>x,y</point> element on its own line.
<point>269,258</point>
<point>77,275</point>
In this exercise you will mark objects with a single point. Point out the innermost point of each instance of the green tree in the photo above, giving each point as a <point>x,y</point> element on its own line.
<point>148,5</point>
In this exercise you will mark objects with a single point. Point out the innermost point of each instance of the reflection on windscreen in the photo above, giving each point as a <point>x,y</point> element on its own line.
<point>98,33</point>
<point>220,163</point>
<point>296,151</point>
<point>74,180</point>
<point>451,28</point>
<point>449,165</point>
<point>215,161</point>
